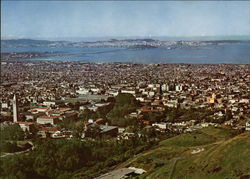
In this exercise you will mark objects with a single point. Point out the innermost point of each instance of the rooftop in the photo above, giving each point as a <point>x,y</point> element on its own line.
<point>116,174</point>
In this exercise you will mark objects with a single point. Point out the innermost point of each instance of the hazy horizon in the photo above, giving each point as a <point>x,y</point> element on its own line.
<point>161,38</point>
<point>101,19</point>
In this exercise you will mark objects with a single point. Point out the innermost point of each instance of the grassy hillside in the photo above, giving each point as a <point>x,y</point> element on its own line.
<point>225,155</point>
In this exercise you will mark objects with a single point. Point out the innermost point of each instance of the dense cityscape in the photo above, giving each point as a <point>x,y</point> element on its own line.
<point>121,101</point>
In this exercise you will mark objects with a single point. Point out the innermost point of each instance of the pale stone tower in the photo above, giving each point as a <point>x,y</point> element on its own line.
<point>15,109</point>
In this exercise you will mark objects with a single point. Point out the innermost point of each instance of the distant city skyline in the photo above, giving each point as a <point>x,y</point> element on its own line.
<point>103,19</point>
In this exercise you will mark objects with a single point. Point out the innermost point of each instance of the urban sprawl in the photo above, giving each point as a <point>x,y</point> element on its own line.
<point>43,94</point>
<point>128,107</point>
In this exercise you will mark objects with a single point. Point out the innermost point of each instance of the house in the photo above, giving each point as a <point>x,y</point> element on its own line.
<point>49,103</point>
<point>138,171</point>
<point>112,92</point>
<point>47,132</point>
<point>135,115</point>
<point>39,109</point>
<point>33,117</point>
<point>63,110</point>
<point>82,108</point>
<point>141,99</point>
<point>161,125</point>
<point>100,121</point>
<point>126,135</point>
<point>26,126</point>
<point>103,130</point>
<point>57,134</point>
<point>121,130</point>
<point>147,109</point>
<point>93,108</point>
<point>109,130</point>
<point>70,115</point>
<point>5,105</point>
<point>82,91</point>
<point>133,92</point>
<point>248,126</point>
<point>95,90</point>
<point>219,114</point>
<point>101,104</point>
<point>47,119</point>
<point>90,107</point>
<point>117,174</point>
<point>145,122</point>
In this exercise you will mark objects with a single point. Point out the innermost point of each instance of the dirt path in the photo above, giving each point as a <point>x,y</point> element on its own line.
<point>17,153</point>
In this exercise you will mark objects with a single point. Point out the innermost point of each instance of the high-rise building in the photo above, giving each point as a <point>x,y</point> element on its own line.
<point>15,109</point>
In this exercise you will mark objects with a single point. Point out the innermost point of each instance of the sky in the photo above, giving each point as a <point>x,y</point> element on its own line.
<point>65,19</point>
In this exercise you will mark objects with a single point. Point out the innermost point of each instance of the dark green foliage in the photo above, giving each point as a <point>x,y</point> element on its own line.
<point>67,158</point>
<point>93,131</point>
<point>12,132</point>
<point>124,104</point>
<point>153,117</point>
<point>77,131</point>
<point>180,114</point>
<point>65,175</point>
<point>51,159</point>
<point>124,122</point>
<point>8,147</point>
<point>18,166</point>
<point>88,114</point>
<point>62,155</point>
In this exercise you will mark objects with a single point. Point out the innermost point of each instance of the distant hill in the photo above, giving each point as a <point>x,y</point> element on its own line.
<point>217,153</point>
<point>27,42</point>
<point>136,43</point>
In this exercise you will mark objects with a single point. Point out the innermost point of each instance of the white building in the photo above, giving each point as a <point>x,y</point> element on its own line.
<point>47,119</point>
<point>161,125</point>
<point>165,87</point>
<point>151,93</point>
<point>5,105</point>
<point>82,91</point>
<point>39,109</point>
<point>128,91</point>
<point>26,126</point>
<point>141,99</point>
<point>248,126</point>
<point>49,103</point>
<point>178,88</point>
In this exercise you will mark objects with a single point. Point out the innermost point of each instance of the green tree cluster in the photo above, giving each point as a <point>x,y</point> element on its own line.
<point>6,146</point>
<point>12,132</point>
<point>50,159</point>
<point>124,104</point>
<point>67,158</point>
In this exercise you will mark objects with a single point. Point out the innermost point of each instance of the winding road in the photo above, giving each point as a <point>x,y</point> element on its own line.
<point>21,152</point>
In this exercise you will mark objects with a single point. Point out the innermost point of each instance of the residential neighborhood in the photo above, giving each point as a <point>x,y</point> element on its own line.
<point>48,93</point>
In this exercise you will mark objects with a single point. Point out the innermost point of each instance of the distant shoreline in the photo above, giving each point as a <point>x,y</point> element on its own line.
<point>133,50</point>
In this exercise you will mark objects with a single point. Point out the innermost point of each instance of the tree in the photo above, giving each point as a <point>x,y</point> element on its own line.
<point>8,146</point>
<point>228,115</point>
<point>18,166</point>
<point>78,131</point>
<point>54,157</point>
<point>93,131</point>
<point>124,104</point>
<point>153,117</point>
<point>12,132</point>
<point>88,114</point>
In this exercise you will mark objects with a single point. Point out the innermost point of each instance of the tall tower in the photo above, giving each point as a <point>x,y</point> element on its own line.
<point>15,109</point>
